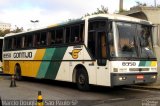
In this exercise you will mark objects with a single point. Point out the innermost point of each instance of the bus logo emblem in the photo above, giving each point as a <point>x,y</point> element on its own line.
<point>74,53</point>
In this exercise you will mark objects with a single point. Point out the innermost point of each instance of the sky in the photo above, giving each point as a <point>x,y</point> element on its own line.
<point>21,12</point>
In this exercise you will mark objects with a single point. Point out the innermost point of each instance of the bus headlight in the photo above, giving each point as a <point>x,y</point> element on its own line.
<point>122,78</point>
<point>153,76</point>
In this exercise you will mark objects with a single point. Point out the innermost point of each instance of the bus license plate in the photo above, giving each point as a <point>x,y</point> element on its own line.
<point>140,76</point>
<point>139,81</point>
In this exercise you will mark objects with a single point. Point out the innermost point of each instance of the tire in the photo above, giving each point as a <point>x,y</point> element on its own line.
<point>82,80</point>
<point>18,76</point>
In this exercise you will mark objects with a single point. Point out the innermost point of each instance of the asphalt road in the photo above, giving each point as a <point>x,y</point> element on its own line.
<point>63,93</point>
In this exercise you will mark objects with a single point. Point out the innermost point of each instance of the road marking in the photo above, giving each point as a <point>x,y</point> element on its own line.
<point>114,99</point>
<point>137,89</point>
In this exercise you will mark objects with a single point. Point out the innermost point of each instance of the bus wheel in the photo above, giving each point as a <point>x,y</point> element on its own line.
<point>82,79</point>
<point>18,76</point>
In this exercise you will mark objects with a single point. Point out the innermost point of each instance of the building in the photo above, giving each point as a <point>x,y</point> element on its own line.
<point>4,26</point>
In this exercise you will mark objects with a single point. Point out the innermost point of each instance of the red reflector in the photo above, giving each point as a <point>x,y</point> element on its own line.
<point>140,76</point>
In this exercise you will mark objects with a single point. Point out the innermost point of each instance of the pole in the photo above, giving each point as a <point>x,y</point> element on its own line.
<point>155,4</point>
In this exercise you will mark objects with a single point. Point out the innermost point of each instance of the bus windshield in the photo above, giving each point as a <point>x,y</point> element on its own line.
<point>133,41</point>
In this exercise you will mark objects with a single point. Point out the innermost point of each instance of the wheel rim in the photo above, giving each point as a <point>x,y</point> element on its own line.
<point>81,79</point>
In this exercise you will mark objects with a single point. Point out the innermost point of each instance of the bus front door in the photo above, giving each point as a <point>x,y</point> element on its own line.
<point>102,66</point>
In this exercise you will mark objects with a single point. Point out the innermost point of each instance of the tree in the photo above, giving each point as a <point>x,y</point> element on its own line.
<point>102,10</point>
<point>17,30</point>
<point>3,33</point>
<point>141,4</point>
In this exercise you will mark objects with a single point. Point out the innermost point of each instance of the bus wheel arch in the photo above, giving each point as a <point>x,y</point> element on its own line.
<point>80,77</point>
<point>17,71</point>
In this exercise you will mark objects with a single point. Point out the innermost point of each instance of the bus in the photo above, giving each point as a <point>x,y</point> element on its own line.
<point>1,45</point>
<point>104,49</point>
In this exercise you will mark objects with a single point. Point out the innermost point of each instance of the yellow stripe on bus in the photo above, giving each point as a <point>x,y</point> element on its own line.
<point>33,66</point>
<point>154,63</point>
<point>39,54</point>
<point>38,57</point>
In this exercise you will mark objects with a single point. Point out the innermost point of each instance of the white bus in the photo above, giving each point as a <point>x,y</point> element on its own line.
<point>1,45</point>
<point>105,50</point>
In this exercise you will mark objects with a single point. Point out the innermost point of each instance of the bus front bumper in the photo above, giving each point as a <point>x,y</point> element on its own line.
<point>134,78</point>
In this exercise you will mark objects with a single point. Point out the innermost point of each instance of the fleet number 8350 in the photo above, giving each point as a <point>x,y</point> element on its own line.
<point>128,63</point>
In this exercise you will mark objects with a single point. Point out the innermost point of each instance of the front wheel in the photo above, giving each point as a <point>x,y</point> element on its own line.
<point>82,80</point>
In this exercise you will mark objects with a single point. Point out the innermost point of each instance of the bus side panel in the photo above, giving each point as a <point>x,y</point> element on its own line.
<point>55,55</point>
<point>73,56</point>
<point>30,68</point>
<point>8,67</point>
<point>63,72</point>
<point>91,70</point>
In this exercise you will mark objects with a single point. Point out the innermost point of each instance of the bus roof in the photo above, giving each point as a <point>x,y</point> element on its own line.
<point>120,17</point>
<point>109,16</point>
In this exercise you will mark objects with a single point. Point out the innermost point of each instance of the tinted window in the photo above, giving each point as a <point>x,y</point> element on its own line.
<point>59,36</point>
<point>74,33</point>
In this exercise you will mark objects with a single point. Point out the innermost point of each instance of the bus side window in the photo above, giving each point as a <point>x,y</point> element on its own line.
<point>18,42</point>
<point>68,33</point>
<point>53,37</point>
<point>30,40</point>
<point>8,43</point>
<point>74,33</point>
<point>75,30</point>
<point>59,36</point>
<point>13,43</point>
